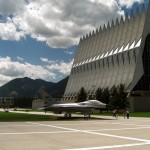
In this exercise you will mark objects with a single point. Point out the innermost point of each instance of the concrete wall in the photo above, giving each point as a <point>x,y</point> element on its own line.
<point>140,104</point>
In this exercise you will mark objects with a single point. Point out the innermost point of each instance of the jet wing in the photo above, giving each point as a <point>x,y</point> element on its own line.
<point>83,107</point>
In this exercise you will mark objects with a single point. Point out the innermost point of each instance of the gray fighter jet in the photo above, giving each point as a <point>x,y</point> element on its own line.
<point>85,107</point>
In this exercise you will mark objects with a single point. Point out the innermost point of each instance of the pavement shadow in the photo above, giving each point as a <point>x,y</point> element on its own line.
<point>80,118</point>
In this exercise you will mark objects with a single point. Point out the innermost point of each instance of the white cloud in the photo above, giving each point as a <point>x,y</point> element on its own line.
<point>49,72</point>
<point>59,23</point>
<point>68,52</point>
<point>128,3</point>
<point>62,67</point>
<point>8,31</point>
<point>4,79</point>
<point>11,6</point>
<point>44,59</point>
<point>11,69</point>
<point>19,58</point>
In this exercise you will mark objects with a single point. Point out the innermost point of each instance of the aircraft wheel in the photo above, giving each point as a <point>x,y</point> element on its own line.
<point>89,116</point>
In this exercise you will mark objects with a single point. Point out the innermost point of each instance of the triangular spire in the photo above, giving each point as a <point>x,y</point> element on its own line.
<point>100,29</point>
<point>147,6</point>
<point>121,19</point>
<point>117,22</point>
<point>131,15</point>
<point>112,23</point>
<point>93,33</point>
<point>108,25</point>
<point>147,9</point>
<point>143,9</point>
<point>87,35</point>
<point>137,12</point>
<point>96,31</point>
<point>104,28</point>
<point>90,34</point>
<point>126,16</point>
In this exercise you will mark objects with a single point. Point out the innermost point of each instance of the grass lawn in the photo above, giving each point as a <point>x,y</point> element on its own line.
<point>8,116</point>
<point>14,116</point>
<point>140,114</point>
<point>135,114</point>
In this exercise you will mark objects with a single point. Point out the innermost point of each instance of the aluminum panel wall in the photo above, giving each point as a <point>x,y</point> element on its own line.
<point>110,56</point>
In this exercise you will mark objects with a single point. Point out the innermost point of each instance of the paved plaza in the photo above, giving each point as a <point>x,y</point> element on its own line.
<point>121,134</point>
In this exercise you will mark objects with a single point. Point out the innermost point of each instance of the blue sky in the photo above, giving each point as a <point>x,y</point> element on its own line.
<point>31,51</point>
<point>38,39</point>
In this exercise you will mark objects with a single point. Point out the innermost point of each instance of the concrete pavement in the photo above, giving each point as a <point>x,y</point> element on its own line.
<point>121,134</point>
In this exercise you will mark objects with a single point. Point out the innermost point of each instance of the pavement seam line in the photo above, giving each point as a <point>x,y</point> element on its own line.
<point>110,147</point>
<point>95,133</point>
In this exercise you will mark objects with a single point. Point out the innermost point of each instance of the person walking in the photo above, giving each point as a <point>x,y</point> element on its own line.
<point>124,114</point>
<point>127,112</point>
<point>116,114</point>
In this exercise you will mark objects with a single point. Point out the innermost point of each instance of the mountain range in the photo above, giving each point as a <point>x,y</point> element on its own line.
<point>26,87</point>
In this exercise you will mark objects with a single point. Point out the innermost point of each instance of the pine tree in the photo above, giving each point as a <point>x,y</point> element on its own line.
<point>119,97</point>
<point>106,96</point>
<point>99,94</point>
<point>114,96</point>
<point>82,95</point>
<point>123,103</point>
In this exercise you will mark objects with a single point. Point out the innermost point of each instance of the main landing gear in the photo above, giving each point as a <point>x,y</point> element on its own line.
<point>87,115</point>
<point>67,115</point>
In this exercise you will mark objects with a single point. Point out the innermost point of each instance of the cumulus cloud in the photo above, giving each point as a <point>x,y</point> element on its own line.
<point>68,52</point>
<point>59,23</point>
<point>128,3</point>
<point>60,66</point>
<point>8,31</point>
<point>49,72</point>
<point>44,59</point>
<point>20,58</point>
<point>11,7</point>
<point>4,79</point>
<point>12,69</point>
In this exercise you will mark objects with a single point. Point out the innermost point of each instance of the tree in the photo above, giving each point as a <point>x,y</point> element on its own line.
<point>106,96</point>
<point>82,95</point>
<point>13,94</point>
<point>123,103</point>
<point>119,97</point>
<point>23,102</point>
<point>7,104</point>
<point>98,94</point>
<point>114,96</point>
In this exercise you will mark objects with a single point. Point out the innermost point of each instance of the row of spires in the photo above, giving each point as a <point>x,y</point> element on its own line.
<point>117,21</point>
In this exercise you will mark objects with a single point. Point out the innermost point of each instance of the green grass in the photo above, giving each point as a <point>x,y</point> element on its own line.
<point>8,116</point>
<point>140,114</point>
<point>16,117</point>
<point>29,110</point>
